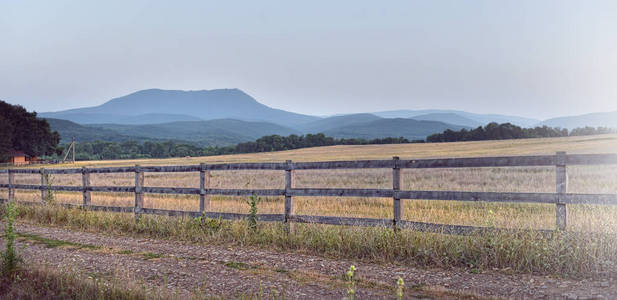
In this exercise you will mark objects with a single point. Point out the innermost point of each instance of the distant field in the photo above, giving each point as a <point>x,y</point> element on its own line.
<point>595,179</point>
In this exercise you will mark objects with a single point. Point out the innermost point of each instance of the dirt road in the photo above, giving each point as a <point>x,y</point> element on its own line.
<point>235,270</point>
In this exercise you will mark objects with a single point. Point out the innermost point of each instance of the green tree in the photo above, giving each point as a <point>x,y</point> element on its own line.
<point>21,130</point>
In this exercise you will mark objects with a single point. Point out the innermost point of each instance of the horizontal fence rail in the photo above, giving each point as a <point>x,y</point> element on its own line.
<point>560,198</point>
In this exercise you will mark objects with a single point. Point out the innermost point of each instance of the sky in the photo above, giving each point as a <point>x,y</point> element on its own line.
<point>537,58</point>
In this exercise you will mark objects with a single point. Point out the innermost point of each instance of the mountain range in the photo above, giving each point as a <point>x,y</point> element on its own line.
<point>230,116</point>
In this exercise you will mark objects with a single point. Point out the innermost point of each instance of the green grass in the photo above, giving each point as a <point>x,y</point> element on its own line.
<point>150,255</point>
<point>42,283</point>
<point>238,265</point>
<point>565,254</point>
<point>52,243</point>
<point>45,283</point>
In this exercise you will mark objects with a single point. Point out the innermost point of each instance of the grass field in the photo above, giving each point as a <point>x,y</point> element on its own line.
<point>582,179</point>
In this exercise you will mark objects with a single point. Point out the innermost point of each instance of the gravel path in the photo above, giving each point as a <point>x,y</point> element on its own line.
<point>231,271</point>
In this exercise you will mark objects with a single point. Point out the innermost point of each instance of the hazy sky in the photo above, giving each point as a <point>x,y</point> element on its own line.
<point>532,58</point>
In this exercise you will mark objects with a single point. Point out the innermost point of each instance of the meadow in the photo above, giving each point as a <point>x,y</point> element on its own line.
<point>581,218</point>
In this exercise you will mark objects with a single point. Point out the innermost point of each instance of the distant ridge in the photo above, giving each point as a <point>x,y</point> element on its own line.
<point>481,118</point>
<point>603,119</point>
<point>220,132</point>
<point>68,129</point>
<point>337,121</point>
<point>450,118</point>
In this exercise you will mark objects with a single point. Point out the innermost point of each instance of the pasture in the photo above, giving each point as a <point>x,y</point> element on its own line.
<point>582,254</point>
<point>582,179</point>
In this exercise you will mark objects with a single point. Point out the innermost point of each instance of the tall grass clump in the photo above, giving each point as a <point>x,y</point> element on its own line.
<point>44,283</point>
<point>563,253</point>
<point>10,259</point>
<point>49,195</point>
<point>252,217</point>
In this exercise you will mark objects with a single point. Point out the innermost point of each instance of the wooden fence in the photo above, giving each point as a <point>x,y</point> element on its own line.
<point>560,198</point>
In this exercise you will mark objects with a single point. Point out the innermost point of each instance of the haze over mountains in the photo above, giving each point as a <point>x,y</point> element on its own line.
<point>230,116</point>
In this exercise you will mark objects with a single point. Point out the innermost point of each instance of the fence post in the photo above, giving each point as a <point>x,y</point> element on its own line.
<point>204,183</point>
<point>139,195</point>
<point>289,204</point>
<point>396,186</point>
<point>43,186</point>
<point>85,182</point>
<point>11,189</point>
<point>561,176</point>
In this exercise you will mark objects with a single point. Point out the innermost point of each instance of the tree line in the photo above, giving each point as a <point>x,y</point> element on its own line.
<point>506,131</point>
<point>98,150</point>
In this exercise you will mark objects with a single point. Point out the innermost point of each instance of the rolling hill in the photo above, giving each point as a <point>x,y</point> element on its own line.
<point>450,118</point>
<point>162,106</point>
<point>212,132</point>
<point>68,129</point>
<point>330,123</point>
<point>397,127</point>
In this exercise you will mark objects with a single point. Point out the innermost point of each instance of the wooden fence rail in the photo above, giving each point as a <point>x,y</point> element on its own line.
<point>560,198</point>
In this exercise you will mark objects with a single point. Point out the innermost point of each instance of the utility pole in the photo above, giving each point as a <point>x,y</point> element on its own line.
<point>71,146</point>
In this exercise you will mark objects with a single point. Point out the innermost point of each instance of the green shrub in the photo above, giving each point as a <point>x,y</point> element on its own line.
<point>9,256</point>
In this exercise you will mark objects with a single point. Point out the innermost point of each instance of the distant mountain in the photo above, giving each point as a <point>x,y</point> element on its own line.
<point>396,127</point>
<point>161,106</point>
<point>450,118</point>
<point>212,132</point>
<point>481,118</point>
<point>337,121</point>
<point>603,119</point>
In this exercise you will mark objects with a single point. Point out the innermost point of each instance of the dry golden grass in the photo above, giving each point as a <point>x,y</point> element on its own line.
<point>582,179</point>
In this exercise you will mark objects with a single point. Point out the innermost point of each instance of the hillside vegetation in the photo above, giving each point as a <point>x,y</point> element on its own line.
<point>221,132</point>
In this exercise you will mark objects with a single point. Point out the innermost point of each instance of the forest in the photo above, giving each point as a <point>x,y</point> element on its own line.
<point>507,131</point>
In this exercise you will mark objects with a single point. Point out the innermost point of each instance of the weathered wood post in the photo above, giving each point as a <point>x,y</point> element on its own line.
<point>43,186</point>
<point>139,195</point>
<point>561,176</point>
<point>396,186</point>
<point>11,189</point>
<point>204,183</point>
<point>289,204</point>
<point>85,183</point>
